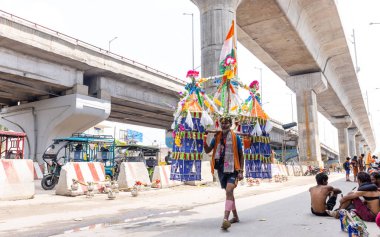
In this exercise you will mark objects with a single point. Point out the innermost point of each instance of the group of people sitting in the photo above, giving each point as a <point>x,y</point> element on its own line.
<point>365,201</point>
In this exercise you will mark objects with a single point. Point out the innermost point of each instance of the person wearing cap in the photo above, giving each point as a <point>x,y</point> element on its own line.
<point>227,158</point>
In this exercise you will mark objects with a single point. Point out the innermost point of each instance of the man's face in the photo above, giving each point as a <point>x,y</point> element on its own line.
<point>373,180</point>
<point>225,124</point>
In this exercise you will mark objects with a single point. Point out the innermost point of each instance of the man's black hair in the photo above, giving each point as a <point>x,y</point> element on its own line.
<point>362,155</point>
<point>376,175</point>
<point>348,158</point>
<point>321,178</point>
<point>364,177</point>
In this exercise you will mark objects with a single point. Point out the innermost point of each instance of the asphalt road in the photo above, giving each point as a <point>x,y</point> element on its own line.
<point>281,213</point>
<point>271,209</point>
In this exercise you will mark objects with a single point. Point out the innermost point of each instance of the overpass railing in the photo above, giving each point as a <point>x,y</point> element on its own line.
<point>78,42</point>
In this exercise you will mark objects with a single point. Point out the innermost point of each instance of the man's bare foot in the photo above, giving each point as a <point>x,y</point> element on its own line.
<point>225,225</point>
<point>334,214</point>
<point>234,220</point>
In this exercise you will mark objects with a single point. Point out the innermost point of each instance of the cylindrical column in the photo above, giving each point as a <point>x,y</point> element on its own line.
<point>342,124</point>
<point>351,142</point>
<point>306,87</point>
<point>358,138</point>
<point>216,18</point>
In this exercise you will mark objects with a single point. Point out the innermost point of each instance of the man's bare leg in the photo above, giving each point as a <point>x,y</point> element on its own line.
<point>229,205</point>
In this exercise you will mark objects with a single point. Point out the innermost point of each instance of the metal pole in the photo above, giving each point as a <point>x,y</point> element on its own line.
<point>192,35</point>
<point>356,57</point>
<point>261,84</point>
<point>109,43</point>
<point>366,92</point>
<point>291,102</point>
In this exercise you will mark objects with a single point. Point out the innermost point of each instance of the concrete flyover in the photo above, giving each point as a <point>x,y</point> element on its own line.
<point>43,70</point>
<point>303,42</point>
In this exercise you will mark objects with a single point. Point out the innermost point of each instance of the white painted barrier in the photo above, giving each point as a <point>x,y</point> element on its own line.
<point>283,169</point>
<point>290,170</point>
<point>206,176</point>
<point>297,170</point>
<point>38,171</point>
<point>83,172</point>
<point>130,172</point>
<point>304,169</point>
<point>162,173</point>
<point>16,179</point>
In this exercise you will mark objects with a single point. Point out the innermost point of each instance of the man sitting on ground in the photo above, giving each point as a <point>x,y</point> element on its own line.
<point>366,210</point>
<point>375,179</point>
<point>320,193</point>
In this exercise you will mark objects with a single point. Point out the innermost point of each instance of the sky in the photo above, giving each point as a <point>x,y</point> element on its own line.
<point>157,33</point>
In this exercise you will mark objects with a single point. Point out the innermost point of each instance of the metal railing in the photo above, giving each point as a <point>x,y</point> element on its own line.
<point>81,43</point>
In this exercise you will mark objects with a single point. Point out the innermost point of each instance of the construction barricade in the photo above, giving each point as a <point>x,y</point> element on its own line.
<point>132,172</point>
<point>38,171</point>
<point>290,170</point>
<point>297,170</point>
<point>76,176</point>
<point>206,176</point>
<point>161,177</point>
<point>16,179</point>
<point>282,169</point>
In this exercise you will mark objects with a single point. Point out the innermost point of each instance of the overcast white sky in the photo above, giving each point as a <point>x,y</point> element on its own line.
<point>156,33</point>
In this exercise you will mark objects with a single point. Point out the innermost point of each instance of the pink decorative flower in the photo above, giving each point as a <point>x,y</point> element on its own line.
<point>229,61</point>
<point>254,85</point>
<point>192,73</point>
<point>181,127</point>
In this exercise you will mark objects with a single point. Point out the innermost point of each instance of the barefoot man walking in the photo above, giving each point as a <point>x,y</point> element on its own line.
<point>227,158</point>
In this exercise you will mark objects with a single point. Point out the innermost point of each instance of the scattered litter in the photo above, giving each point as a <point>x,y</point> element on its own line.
<point>78,219</point>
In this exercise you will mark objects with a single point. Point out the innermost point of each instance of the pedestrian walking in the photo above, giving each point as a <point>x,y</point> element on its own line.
<point>227,158</point>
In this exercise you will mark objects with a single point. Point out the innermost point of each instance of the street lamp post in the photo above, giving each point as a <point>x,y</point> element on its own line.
<point>261,82</point>
<point>291,103</point>
<point>109,43</point>
<point>192,34</point>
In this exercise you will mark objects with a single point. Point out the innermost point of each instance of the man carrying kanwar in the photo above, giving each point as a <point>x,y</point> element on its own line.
<point>227,158</point>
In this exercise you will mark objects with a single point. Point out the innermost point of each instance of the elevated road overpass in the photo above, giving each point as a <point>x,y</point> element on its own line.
<point>54,85</point>
<point>303,42</point>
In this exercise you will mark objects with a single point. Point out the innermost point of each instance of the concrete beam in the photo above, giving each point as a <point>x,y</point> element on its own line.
<point>342,124</point>
<point>47,119</point>
<point>140,94</point>
<point>351,141</point>
<point>216,18</point>
<point>306,87</point>
<point>358,147</point>
<point>15,63</point>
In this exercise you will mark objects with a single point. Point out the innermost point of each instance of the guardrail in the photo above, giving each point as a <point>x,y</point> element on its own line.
<point>78,42</point>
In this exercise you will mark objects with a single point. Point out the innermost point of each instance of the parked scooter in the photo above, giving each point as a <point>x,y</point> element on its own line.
<point>49,181</point>
<point>312,171</point>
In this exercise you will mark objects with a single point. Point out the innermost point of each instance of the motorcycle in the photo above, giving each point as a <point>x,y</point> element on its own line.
<point>49,181</point>
<point>312,171</point>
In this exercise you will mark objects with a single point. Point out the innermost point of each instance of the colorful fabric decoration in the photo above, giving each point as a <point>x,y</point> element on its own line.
<point>255,122</point>
<point>191,119</point>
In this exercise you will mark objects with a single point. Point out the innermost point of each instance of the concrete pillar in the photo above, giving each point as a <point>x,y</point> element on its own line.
<point>342,124</point>
<point>216,18</point>
<point>358,138</point>
<point>351,142</point>
<point>306,87</point>
<point>47,119</point>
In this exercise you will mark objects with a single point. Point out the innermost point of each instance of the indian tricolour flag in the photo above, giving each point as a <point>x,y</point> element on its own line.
<point>228,49</point>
